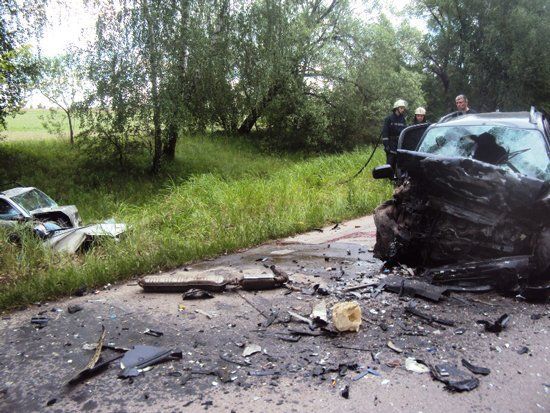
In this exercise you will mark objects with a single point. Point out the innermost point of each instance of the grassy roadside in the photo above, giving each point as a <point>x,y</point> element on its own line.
<point>27,125</point>
<point>218,196</point>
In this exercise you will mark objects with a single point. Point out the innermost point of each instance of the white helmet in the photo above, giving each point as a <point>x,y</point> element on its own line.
<point>420,111</point>
<point>400,103</point>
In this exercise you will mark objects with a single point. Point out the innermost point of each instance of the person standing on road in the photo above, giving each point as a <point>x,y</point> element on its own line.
<point>461,102</point>
<point>419,116</point>
<point>393,125</point>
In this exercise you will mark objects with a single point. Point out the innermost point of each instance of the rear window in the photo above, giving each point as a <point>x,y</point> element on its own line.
<point>520,150</point>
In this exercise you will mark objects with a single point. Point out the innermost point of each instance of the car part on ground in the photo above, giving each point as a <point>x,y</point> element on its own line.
<point>71,240</point>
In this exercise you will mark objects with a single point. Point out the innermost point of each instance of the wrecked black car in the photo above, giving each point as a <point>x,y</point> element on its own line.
<point>471,205</point>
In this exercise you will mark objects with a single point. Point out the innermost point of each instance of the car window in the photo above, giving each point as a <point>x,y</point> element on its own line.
<point>7,211</point>
<point>34,199</point>
<point>519,150</point>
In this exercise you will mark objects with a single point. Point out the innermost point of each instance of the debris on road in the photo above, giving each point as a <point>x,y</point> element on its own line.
<point>394,347</point>
<point>411,309</point>
<point>182,282</point>
<point>40,321</point>
<point>496,327</point>
<point>215,280</point>
<point>346,316</point>
<point>93,367</point>
<point>153,333</point>
<point>251,349</point>
<point>413,288</point>
<point>454,379</point>
<point>141,357</point>
<point>319,314</point>
<point>475,369</point>
<point>196,294</point>
<point>414,365</point>
<point>344,392</point>
<point>74,308</point>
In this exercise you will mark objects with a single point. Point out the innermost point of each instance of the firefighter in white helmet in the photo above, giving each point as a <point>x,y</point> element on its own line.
<point>393,125</point>
<point>419,116</point>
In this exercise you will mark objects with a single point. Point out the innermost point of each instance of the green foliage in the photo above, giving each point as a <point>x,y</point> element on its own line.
<point>198,207</point>
<point>61,83</point>
<point>306,75</point>
<point>491,50</point>
<point>18,21</point>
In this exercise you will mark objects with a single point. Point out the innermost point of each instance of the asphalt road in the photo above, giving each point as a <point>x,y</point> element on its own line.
<point>285,376</point>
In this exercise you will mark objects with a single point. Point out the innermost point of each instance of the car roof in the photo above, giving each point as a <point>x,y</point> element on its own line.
<point>509,119</point>
<point>10,193</point>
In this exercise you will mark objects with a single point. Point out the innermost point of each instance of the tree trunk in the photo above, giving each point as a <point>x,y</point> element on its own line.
<point>152,52</point>
<point>71,132</point>
<point>170,145</point>
<point>249,122</point>
<point>256,112</point>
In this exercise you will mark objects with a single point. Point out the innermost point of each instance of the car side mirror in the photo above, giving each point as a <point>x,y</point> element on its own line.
<point>383,172</point>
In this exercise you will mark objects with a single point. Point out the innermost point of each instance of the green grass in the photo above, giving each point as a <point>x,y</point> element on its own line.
<point>219,195</point>
<point>27,125</point>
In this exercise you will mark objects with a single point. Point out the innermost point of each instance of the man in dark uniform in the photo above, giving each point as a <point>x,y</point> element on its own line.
<point>393,125</point>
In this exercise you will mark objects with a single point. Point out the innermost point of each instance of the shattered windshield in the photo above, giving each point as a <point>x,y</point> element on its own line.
<point>34,199</point>
<point>519,150</point>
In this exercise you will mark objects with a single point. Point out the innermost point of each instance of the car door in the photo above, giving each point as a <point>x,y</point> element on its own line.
<point>410,136</point>
<point>9,213</point>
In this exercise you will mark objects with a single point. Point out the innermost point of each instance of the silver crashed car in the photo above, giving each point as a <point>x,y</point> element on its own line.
<point>21,204</point>
<point>60,227</point>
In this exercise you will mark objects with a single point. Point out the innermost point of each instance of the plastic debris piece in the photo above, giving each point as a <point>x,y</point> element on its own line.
<point>89,346</point>
<point>319,314</point>
<point>454,379</point>
<point>196,294</point>
<point>74,308</point>
<point>40,321</point>
<point>394,347</point>
<point>364,373</point>
<point>92,368</point>
<point>344,392</point>
<point>413,365</point>
<point>204,313</point>
<point>411,309</point>
<point>523,350</point>
<point>302,319</point>
<point>273,314</point>
<point>346,316</point>
<point>281,252</point>
<point>393,363</point>
<point>140,357</point>
<point>251,349</point>
<point>497,326</point>
<point>153,333</point>
<point>413,288</point>
<point>475,369</point>
<point>261,373</point>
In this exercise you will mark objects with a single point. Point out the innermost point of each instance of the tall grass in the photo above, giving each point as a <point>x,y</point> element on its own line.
<point>219,195</point>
